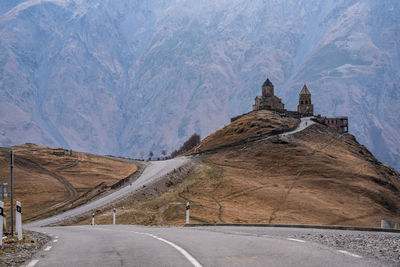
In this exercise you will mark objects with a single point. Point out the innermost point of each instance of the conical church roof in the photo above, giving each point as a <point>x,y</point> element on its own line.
<point>267,83</point>
<point>305,91</point>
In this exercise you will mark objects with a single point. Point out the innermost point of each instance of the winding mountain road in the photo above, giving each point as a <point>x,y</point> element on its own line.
<point>154,171</point>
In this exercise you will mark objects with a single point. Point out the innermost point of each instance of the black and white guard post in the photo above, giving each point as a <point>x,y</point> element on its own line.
<point>187,212</point>
<point>4,195</point>
<point>12,191</point>
<point>113,215</point>
<point>93,218</point>
<point>18,220</point>
<point>1,221</point>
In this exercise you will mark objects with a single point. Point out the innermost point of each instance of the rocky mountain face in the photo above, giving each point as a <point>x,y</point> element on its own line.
<point>129,77</point>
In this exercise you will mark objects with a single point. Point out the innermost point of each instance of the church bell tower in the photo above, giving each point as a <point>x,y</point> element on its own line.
<point>305,106</point>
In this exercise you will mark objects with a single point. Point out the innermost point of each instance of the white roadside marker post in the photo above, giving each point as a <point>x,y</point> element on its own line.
<point>1,221</point>
<point>114,216</point>
<point>18,219</point>
<point>93,218</point>
<point>187,212</point>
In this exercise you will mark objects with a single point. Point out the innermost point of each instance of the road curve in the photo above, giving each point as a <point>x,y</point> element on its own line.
<point>304,123</point>
<point>154,171</point>
<point>119,245</point>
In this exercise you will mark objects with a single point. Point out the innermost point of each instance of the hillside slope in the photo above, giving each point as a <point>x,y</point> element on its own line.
<point>48,181</point>
<point>316,176</point>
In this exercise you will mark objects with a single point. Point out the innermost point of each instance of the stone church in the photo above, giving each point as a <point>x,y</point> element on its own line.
<point>305,108</point>
<point>268,100</point>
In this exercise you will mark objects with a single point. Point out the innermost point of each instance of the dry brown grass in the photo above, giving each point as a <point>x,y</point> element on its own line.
<point>314,177</point>
<point>45,181</point>
<point>251,126</point>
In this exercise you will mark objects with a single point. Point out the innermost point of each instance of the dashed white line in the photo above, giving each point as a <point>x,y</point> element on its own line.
<point>56,236</point>
<point>32,263</point>
<point>55,240</point>
<point>297,240</point>
<point>47,248</point>
<point>350,254</point>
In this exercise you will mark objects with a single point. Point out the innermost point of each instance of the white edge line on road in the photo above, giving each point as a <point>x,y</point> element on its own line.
<point>47,248</point>
<point>32,263</point>
<point>350,254</point>
<point>178,248</point>
<point>297,240</point>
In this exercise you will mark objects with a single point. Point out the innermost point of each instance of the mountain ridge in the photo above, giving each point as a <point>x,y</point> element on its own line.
<point>129,78</point>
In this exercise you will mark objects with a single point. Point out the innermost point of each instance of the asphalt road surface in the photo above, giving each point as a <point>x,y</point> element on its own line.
<point>304,123</point>
<point>118,245</point>
<point>154,171</point>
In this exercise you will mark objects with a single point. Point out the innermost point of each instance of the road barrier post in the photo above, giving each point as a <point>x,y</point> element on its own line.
<point>1,221</point>
<point>114,216</point>
<point>187,212</point>
<point>93,218</point>
<point>18,219</point>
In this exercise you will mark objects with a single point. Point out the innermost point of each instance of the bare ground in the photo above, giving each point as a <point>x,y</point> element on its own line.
<point>48,181</point>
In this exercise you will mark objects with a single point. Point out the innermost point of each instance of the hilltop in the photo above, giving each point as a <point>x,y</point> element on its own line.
<point>48,181</point>
<point>246,173</point>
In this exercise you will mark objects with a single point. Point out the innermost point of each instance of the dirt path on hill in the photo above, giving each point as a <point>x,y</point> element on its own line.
<point>72,165</point>
<point>73,194</point>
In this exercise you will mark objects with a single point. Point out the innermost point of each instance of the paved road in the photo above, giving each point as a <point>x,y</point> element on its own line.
<point>304,123</point>
<point>117,245</point>
<point>155,170</point>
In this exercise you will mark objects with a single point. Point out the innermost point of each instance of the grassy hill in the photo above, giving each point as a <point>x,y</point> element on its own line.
<point>316,176</point>
<point>48,181</point>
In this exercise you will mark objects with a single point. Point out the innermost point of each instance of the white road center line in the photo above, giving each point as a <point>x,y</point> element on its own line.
<point>56,236</point>
<point>297,240</point>
<point>47,248</point>
<point>55,240</point>
<point>186,254</point>
<point>32,263</point>
<point>178,248</point>
<point>350,254</point>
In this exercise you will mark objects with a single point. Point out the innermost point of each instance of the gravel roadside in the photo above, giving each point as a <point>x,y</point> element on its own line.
<point>15,253</point>
<point>383,247</point>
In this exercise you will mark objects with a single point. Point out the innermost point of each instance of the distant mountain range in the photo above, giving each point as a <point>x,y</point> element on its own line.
<point>130,77</point>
